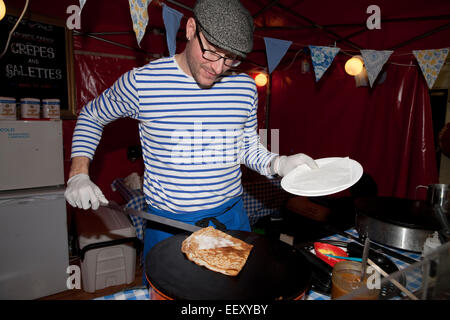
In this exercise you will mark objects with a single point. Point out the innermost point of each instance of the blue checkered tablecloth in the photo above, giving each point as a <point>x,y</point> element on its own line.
<point>135,200</point>
<point>413,279</point>
<point>130,294</point>
<point>261,198</point>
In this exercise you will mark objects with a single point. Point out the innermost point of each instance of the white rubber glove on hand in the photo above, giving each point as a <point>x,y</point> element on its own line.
<point>282,165</point>
<point>81,192</point>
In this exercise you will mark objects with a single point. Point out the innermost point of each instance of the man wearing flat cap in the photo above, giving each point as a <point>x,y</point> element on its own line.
<point>197,125</point>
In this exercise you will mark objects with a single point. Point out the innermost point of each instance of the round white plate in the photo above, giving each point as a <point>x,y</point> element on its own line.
<point>293,183</point>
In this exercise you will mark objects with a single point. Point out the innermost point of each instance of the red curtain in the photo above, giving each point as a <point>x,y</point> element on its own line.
<point>387,128</point>
<point>95,73</point>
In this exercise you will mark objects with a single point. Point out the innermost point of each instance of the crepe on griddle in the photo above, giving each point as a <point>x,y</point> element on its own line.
<point>216,251</point>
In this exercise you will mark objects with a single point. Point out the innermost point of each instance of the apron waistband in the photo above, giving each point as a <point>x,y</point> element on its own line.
<point>197,216</point>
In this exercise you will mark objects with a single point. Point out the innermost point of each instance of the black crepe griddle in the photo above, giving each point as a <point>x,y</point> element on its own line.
<point>273,271</point>
<point>403,212</point>
<point>400,223</point>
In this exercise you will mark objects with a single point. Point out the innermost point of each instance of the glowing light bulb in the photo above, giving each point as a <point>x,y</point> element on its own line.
<point>2,9</point>
<point>261,80</point>
<point>354,65</point>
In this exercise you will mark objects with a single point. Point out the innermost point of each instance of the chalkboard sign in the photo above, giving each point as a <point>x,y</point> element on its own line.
<point>39,60</point>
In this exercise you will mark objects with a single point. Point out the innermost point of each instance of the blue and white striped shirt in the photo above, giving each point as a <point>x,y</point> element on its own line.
<point>193,139</point>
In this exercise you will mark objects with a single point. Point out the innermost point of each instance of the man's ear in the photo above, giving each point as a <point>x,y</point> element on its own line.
<point>190,28</point>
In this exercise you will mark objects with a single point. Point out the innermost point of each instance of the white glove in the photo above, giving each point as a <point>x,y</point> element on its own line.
<point>282,165</point>
<point>81,192</point>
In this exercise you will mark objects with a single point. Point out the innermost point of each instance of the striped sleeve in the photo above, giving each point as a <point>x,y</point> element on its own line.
<point>120,100</point>
<point>255,155</point>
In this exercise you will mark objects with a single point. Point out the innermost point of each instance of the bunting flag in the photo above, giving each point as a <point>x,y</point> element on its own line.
<point>275,51</point>
<point>82,3</point>
<point>139,15</point>
<point>322,57</point>
<point>172,20</point>
<point>374,61</point>
<point>431,62</point>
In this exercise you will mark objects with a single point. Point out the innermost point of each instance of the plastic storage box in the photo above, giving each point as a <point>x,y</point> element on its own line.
<point>107,242</point>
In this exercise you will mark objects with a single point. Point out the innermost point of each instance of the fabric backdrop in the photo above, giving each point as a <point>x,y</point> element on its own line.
<point>387,128</point>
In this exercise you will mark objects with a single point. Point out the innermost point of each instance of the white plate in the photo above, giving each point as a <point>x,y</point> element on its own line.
<point>294,183</point>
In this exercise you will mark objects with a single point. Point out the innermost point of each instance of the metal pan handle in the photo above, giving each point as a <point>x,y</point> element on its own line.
<point>419,186</point>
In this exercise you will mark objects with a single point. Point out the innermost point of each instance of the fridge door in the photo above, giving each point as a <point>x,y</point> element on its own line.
<point>31,154</point>
<point>34,251</point>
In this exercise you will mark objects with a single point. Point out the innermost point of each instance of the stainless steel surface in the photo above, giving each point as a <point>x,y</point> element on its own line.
<point>163,220</point>
<point>396,236</point>
<point>441,217</point>
<point>438,194</point>
<point>379,248</point>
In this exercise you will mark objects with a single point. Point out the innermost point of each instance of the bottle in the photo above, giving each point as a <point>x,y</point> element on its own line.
<point>431,244</point>
<point>429,270</point>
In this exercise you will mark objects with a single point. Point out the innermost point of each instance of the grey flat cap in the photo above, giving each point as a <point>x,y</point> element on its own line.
<point>226,24</point>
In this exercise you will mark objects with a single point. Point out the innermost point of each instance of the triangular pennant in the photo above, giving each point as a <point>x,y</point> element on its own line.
<point>82,3</point>
<point>172,20</point>
<point>322,57</point>
<point>139,15</point>
<point>431,62</point>
<point>275,51</point>
<point>374,61</point>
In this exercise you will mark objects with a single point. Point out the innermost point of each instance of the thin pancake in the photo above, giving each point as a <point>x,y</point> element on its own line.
<point>216,251</point>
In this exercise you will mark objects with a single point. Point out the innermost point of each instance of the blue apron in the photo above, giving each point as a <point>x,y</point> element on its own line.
<point>231,214</point>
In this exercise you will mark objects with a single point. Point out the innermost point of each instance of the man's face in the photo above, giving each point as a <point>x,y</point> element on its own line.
<point>205,72</point>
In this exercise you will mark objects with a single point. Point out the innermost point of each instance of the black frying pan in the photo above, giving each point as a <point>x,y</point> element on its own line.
<point>273,271</point>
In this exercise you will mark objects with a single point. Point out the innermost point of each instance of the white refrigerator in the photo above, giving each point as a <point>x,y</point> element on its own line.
<point>33,220</point>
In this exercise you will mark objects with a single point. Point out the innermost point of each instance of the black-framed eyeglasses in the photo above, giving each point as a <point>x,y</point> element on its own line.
<point>214,56</point>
